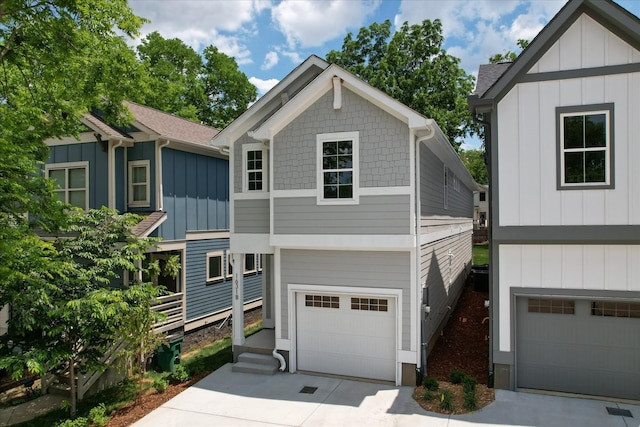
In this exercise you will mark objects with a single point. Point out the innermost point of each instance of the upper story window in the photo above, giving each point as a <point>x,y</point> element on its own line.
<point>139,183</point>
<point>483,196</point>
<point>585,146</point>
<point>337,164</point>
<point>72,182</point>
<point>255,167</point>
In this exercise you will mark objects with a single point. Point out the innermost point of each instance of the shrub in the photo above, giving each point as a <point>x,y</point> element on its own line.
<point>470,400</point>
<point>430,383</point>
<point>446,401</point>
<point>160,384</point>
<point>179,375</point>
<point>78,422</point>
<point>98,416</point>
<point>427,396</point>
<point>469,384</point>
<point>456,377</point>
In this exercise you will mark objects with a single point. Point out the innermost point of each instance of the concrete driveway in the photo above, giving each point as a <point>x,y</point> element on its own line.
<point>226,398</point>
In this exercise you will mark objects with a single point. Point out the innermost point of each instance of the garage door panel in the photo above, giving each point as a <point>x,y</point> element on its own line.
<point>577,353</point>
<point>345,341</point>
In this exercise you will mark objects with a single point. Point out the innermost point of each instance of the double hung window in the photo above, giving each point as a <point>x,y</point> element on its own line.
<point>337,155</point>
<point>71,181</point>
<point>139,183</point>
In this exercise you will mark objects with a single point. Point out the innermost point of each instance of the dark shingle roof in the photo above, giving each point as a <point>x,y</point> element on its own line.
<point>170,126</point>
<point>488,74</point>
<point>149,223</point>
<point>107,130</point>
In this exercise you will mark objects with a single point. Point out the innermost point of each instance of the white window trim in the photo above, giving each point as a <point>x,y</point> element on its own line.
<point>327,137</point>
<point>245,173</point>
<point>217,254</point>
<point>255,263</point>
<point>147,201</point>
<point>259,262</point>
<point>72,165</point>
<point>228,272</point>
<point>446,187</point>
<point>607,149</point>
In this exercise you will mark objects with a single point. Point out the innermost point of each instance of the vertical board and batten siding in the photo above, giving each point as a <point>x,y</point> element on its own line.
<point>580,267</point>
<point>196,193</point>
<point>383,143</point>
<point>120,174</point>
<point>444,277</point>
<point>204,299</point>
<point>527,153</point>
<point>373,215</point>
<point>251,216</point>
<point>367,270</point>
<point>144,151</point>
<point>460,202</point>
<point>98,168</point>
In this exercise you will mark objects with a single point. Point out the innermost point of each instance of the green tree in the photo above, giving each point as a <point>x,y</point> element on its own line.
<point>474,162</point>
<point>412,67</point>
<point>509,55</point>
<point>208,88</point>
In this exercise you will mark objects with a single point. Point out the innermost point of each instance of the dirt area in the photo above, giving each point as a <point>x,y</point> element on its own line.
<point>222,329</point>
<point>464,347</point>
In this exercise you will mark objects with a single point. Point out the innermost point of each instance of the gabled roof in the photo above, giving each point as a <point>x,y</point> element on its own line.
<point>171,127</point>
<point>149,223</point>
<point>613,17</point>
<point>321,84</point>
<point>271,102</point>
<point>97,124</point>
<point>488,74</point>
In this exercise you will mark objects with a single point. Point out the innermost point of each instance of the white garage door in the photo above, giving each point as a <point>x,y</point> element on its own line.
<point>348,335</point>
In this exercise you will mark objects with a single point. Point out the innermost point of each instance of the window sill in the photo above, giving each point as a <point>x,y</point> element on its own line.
<point>214,281</point>
<point>139,204</point>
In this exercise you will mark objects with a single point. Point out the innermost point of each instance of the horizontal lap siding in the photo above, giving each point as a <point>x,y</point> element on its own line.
<point>251,216</point>
<point>203,299</point>
<point>368,270</point>
<point>98,168</point>
<point>374,215</point>
<point>444,276</point>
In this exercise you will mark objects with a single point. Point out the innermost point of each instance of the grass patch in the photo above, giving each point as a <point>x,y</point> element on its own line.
<point>480,254</point>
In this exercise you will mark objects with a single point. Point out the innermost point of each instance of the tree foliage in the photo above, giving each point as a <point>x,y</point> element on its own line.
<point>208,88</point>
<point>475,164</point>
<point>412,67</point>
<point>509,55</point>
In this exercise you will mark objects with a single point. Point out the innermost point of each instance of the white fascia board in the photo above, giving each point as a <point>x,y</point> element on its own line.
<point>238,127</point>
<point>250,243</point>
<point>345,242</point>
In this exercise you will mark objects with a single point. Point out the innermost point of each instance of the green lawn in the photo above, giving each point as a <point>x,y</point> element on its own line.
<point>480,254</point>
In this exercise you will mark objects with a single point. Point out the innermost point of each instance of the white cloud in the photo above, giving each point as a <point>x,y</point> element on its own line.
<point>293,56</point>
<point>310,23</point>
<point>270,60</point>
<point>263,86</point>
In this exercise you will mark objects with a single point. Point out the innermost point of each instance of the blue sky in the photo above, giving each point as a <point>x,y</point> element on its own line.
<point>268,38</point>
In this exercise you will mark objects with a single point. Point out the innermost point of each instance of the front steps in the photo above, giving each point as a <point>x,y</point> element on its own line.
<point>254,363</point>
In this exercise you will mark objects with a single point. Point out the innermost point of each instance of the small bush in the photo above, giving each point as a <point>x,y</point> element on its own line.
<point>78,422</point>
<point>430,383</point>
<point>470,400</point>
<point>446,401</point>
<point>179,375</point>
<point>197,366</point>
<point>456,377</point>
<point>427,396</point>
<point>469,384</point>
<point>160,384</point>
<point>98,416</point>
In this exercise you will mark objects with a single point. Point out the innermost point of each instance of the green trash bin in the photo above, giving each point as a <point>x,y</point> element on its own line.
<point>169,355</point>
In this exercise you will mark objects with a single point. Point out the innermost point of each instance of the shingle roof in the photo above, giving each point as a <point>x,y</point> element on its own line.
<point>170,126</point>
<point>149,223</point>
<point>109,131</point>
<point>488,74</point>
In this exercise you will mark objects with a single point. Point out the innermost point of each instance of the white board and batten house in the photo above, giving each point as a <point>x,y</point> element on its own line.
<point>362,213</point>
<point>562,127</point>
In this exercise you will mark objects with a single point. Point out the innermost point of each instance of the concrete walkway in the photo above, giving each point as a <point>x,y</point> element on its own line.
<point>237,399</point>
<point>29,410</point>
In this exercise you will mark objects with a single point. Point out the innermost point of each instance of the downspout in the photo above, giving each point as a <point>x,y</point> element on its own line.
<point>112,172</point>
<point>283,364</point>
<point>160,145</point>
<point>423,311</point>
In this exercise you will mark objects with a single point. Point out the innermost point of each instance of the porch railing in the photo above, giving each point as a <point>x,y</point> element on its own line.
<point>171,306</point>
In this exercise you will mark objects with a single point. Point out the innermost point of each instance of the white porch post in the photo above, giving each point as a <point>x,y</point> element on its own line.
<point>238,299</point>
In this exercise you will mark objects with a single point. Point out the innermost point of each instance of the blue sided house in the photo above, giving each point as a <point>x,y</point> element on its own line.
<point>163,168</point>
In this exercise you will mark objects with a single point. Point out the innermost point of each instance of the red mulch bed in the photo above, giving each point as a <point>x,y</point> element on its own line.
<point>464,342</point>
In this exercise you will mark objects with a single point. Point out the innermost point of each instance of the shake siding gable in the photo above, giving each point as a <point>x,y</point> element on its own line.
<point>383,143</point>
<point>98,168</point>
<point>202,298</point>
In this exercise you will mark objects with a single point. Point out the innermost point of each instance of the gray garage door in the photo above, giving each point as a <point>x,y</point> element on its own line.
<point>578,346</point>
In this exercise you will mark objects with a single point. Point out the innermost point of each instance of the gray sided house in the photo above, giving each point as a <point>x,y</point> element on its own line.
<point>362,212</point>
<point>163,168</point>
<point>561,124</point>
